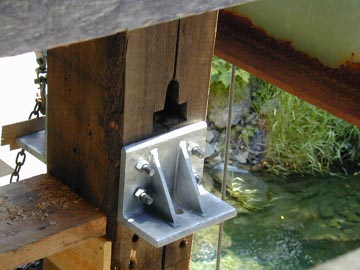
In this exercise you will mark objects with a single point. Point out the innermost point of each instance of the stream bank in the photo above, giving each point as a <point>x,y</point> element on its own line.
<point>289,224</point>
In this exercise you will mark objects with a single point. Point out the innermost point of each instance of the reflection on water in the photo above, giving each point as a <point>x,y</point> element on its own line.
<point>304,221</point>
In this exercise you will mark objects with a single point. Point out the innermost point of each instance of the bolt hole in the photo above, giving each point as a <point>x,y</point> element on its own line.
<point>183,244</point>
<point>135,238</point>
<point>179,211</point>
<point>132,264</point>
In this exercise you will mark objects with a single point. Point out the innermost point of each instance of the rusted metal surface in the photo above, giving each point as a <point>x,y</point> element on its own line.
<point>252,48</point>
<point>323,29</point>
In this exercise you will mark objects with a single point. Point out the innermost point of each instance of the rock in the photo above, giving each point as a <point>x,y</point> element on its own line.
<point>242,157</point>
<point>209,150</point>
<point>217,147</point>
<point>218,159</point>
<point>251,119</point>
<point>208,182</point>
<point>219,116</point>
<point>257,147</point>
<point>210,136</point>
<point>217,173</point>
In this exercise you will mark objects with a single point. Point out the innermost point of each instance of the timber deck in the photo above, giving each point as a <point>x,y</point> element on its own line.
<point>39,217</point>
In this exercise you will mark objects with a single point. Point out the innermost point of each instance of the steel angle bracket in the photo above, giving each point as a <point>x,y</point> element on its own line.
<point>161,198</point>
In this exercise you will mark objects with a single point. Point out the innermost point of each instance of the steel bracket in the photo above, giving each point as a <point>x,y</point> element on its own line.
<point>161,198</point>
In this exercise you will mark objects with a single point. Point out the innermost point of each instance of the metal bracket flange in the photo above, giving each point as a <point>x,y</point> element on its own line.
<point>160,198</point>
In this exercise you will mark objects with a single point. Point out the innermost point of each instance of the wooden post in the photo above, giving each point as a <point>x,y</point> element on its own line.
<point>112,91</point>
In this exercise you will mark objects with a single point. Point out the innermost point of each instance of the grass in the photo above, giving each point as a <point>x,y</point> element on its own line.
<point>301,138</point>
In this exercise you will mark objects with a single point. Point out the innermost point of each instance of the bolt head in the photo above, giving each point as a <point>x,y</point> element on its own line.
<point>144,166</point>
<point>140,164</point>
<point>195,150</point>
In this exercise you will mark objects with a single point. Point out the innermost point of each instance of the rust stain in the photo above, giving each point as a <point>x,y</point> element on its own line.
<point>244,30</point>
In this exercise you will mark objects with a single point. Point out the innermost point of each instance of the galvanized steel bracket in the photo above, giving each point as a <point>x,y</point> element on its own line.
<point>160,197</point>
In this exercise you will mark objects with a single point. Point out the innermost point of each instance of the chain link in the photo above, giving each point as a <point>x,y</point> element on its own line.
<point>20,161</point>
<point>36,110</point>
<point>41,80</point>
<point>40,107</point>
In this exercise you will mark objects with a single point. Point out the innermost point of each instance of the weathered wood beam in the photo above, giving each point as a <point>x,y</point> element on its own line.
<point>13,131</point>
<point>113,91</point>
<point>336,91</point>
<point>39,217</point>
<point>32,25</point>
<point>93,254</point>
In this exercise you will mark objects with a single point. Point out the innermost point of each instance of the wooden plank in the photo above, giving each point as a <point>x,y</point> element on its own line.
<point>150,50</point>
<point>48,265</point>
<point>93,254</point>
<point>48,24</point>
<point>41,216</point>
<point>11,132</point>
<point>251,49</point>
<point>177,255</point>
<point>195,49</point>
<point>103,94</point>
<point>5,169</point>
<point>132,252</point>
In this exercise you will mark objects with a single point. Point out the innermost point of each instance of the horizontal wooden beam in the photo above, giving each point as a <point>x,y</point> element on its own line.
<point>334,90</point>
<point>15,130</point>
<point>41,216</point>
<point>93,254</point>
<point>47,24</point>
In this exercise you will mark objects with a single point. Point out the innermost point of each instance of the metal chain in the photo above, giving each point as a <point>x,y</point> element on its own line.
<point>36,111</point>
<point>40,107</point>
<point>20,160</point>
<point>41,80</point>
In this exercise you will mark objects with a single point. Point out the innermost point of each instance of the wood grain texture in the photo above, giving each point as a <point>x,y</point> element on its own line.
<point>11,132</point>
<point>196,47</point>
<point>150,60</point>
<point>39,217</point>
<point>48,265</point>
<point>31,25</point>
<point>93,254</point>
<point>5,169</point>
<point>289,73</point>
<point>103,95</point>
<point>135,254</point>
<point>177,255</point>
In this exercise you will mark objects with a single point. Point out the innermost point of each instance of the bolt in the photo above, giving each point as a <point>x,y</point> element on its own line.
<point>198,177</point>
<point>143,196</point>
<point>144,166</point>
<point>195,150</point>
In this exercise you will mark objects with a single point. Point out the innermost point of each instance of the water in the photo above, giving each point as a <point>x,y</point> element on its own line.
<point>291,225</point>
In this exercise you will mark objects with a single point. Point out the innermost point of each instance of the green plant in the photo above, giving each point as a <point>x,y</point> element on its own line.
<point>300,138</point>
<point>221,77</point>
<point>304,139</point>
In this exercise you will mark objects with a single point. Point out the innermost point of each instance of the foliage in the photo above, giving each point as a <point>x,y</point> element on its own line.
<point>301,138</point>
<point>221,77</point>
<point>304,139</point>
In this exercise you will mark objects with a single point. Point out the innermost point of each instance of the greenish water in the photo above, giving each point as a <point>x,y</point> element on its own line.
<point>293,224</point>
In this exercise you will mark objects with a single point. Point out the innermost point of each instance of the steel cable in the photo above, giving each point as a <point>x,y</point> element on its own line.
<point>226,161</point>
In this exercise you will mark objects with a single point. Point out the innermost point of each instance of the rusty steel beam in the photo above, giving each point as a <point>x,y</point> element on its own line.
<point>336,90</point>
